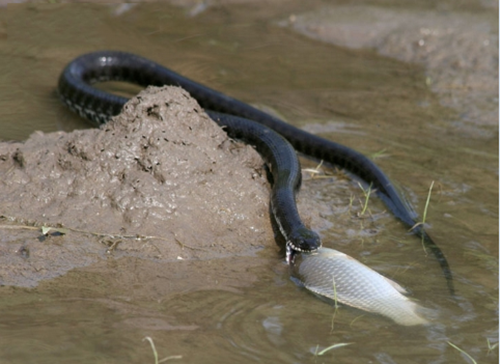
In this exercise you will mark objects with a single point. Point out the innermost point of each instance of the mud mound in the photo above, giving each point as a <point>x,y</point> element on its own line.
<point>161,169</point>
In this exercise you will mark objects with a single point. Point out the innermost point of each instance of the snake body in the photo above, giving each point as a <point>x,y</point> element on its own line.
<point>273,138</point>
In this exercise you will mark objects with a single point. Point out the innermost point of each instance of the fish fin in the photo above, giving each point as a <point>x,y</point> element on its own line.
<point>297,282</point>
<point>396,286</point>
<point>415,315</point>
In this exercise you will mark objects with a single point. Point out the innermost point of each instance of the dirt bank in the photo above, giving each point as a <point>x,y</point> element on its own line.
<point>458,49</point>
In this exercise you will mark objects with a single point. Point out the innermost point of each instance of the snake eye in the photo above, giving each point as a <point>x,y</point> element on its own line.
<point>305,240</point>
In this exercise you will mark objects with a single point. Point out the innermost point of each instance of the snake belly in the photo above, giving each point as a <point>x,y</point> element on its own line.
<point>76,91</point>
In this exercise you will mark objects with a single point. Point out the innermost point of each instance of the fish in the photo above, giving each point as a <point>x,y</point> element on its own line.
<point>341,278</point>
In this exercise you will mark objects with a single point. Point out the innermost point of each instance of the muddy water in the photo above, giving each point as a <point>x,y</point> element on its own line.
<point>379,106</point>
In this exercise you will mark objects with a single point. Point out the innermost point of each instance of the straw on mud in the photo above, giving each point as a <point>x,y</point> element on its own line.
<point>351,200</point>
<point>367,193</point>
<point>46,230</point>
<point>316,171</point>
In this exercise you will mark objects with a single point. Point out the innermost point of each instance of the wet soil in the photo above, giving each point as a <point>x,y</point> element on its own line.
<point>161,168</point>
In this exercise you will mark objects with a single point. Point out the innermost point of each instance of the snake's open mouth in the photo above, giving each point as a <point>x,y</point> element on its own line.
<point>292,251</point>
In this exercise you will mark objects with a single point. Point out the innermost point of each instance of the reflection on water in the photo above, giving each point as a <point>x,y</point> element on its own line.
<point>394,117</point>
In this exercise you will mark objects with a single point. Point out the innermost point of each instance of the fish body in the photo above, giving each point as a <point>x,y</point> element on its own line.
<point>337,276</point>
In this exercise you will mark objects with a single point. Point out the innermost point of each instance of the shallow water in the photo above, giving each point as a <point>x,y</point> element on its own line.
<point>373,104</point>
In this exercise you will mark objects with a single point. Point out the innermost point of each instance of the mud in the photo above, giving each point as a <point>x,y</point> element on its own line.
<point>156,182</point>
<point>459,50</point>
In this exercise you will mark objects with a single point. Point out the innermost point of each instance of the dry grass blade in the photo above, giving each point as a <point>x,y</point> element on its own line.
<point>155,353</point>
<point>463,352</point>
<point>332,347</point>
<point>367,192</point>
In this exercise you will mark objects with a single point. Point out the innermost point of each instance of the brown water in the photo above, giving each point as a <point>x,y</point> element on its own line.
<point>355,97</point>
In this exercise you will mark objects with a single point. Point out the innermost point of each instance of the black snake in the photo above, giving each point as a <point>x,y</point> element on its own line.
<point>269,135</point>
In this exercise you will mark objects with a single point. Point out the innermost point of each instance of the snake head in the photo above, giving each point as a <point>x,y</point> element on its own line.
<point>301,240</point>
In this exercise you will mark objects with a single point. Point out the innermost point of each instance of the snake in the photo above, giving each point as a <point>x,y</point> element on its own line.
<point>276,140</point>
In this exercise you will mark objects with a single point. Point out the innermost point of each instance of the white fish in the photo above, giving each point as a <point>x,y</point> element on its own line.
<point>339,277</point>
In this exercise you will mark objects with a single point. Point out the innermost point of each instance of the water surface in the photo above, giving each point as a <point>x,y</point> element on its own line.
<point>378,106</point>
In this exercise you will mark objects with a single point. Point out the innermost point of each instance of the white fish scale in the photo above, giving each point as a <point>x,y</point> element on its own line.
<point>356,285</point>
